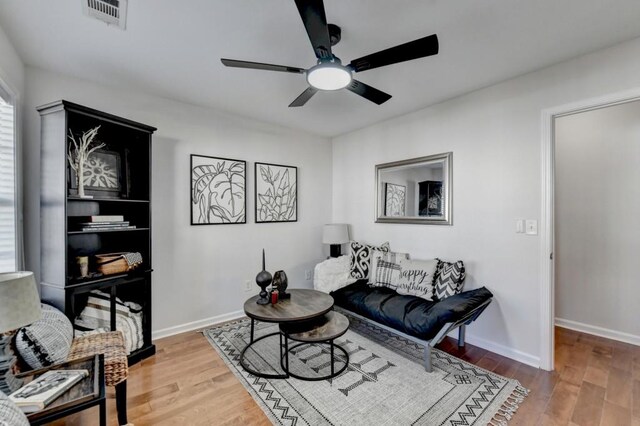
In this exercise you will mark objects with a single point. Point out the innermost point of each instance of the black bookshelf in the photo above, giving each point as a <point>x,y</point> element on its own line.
<point>128,154</point>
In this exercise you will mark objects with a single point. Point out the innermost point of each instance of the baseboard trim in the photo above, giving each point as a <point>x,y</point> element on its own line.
<point>499,349</point>
<point>488,345</point>
<point>195,325</point>
<point>598,331</point>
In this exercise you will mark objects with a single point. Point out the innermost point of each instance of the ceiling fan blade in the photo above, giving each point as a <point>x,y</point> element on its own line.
<point>374,95</point>
<point>420,48</point>
<point>304,97</point>
<point>260,66</point>
<point>315,22</point>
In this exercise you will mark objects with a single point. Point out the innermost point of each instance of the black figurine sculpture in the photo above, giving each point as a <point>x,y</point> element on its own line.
<point>263,279</point>
<point>281,283</point>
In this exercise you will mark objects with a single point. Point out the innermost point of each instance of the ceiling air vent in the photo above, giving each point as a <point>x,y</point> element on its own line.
<point>113,12</point>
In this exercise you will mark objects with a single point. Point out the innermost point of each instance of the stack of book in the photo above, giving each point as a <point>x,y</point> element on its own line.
<point>105,223</point>
<point>40,392</point>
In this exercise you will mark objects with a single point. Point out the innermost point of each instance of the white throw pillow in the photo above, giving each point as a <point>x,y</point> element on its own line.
<point>10,414</point>
<point>333,274</point>
<point>376,255</point>
<point>416,278</point>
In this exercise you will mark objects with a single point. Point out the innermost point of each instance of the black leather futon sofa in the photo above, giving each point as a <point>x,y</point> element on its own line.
<point>415,318</point>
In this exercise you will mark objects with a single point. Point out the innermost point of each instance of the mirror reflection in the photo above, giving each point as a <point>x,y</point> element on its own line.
<point>415,190</point>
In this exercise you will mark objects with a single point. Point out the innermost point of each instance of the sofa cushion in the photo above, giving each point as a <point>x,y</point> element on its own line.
<point>385,269</point>
<point>47,341</point>
<point>416,278</point>
<point>361,258</point>
<point>409,314</point>
<point>449,278</point>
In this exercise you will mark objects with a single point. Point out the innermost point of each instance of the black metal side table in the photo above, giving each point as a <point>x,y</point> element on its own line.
<point>323,330</point>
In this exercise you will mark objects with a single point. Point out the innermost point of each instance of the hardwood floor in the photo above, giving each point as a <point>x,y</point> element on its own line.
<point>596,382</point>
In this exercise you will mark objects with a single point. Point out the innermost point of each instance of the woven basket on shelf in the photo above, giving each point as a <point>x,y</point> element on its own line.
<point>112,263</point>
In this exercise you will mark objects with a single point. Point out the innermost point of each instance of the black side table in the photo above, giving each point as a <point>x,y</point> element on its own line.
<point>87,393</point>
<point>321,330</point>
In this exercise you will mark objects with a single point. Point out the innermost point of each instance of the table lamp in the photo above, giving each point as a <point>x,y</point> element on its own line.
<point>19,306</point>
<point>335,234</point>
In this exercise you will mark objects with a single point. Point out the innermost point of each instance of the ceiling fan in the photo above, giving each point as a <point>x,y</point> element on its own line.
<point>329,73</point>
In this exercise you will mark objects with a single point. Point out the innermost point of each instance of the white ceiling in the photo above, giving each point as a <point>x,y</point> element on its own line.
<point>172,48</point>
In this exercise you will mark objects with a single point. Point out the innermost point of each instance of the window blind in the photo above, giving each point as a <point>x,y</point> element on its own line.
<point>7,189</point>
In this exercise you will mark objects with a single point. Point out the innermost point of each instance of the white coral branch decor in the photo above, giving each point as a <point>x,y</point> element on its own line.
<point>79,152</point>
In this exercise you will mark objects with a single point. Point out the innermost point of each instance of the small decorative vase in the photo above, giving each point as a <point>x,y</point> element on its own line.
<point>263,279</point>
<point>83,265</point>
<point>281,283</point>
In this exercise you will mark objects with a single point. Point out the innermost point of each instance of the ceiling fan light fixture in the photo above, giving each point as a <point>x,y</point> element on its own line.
<point>329,76</point>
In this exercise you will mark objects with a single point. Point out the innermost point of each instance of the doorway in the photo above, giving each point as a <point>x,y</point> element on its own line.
<point>563,118</point>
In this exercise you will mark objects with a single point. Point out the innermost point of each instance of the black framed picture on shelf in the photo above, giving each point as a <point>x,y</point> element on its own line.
<point>430,198</point>
<point>218,190</point>
<point>102,174</point>
<point>276,193</point>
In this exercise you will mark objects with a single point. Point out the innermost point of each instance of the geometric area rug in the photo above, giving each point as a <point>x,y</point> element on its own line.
<point>385,383</point>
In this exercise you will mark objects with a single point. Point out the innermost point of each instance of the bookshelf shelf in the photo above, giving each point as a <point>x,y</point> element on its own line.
<point>106,230</point>
<point>121,190</point>
<point>107,200</point>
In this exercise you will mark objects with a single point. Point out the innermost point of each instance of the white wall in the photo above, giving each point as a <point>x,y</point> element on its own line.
<point>11,66</point>
<point>495,136</point>
<point>597,209</point>
<point>199,271</point>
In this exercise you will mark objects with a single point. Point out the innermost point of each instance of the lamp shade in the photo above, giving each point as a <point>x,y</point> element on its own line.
<point>19,300</point>
<point>335,233</point>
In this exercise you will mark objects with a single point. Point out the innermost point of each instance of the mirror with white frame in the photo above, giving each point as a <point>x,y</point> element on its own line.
<point>417,190</point>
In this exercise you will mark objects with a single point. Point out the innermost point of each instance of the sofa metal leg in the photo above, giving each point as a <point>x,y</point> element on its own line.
<point>427,358</point>
<point>121,402</point>
<point>461,333</point>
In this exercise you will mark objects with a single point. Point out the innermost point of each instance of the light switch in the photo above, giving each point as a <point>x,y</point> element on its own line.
<point>531,227</point>
<point>520,226</point>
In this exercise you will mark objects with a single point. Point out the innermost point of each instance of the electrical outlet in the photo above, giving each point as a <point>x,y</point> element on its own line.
<point>307,275</point>
<point>531,227</point>
<point>248,286</point>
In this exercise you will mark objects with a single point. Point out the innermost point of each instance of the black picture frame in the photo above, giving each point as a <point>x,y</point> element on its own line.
<point>430,190</point>
<point>202,209</point>
<point>114,163</point>
<point>275,174</point>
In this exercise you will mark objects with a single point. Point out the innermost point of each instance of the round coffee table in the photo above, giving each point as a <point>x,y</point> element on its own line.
<point>303,305</point>
<point>320,330</point>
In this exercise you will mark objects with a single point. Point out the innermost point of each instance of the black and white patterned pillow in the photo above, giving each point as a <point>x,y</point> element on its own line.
<point>387,269</point>
<point>376,255</point>
<point>10,414</point>
<point>449,278</point>
<point>361,258</point>
<point>47,341</point>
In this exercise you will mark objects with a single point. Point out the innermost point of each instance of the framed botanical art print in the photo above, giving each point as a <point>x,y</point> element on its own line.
<point>395,199</point>
<point>218,190</point>
<point>276,193</point>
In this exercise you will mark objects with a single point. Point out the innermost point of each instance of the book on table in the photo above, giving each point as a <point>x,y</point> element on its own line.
<point>39,393</point>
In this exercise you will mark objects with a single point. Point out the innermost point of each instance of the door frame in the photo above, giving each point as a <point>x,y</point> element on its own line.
<point>547,221</point>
